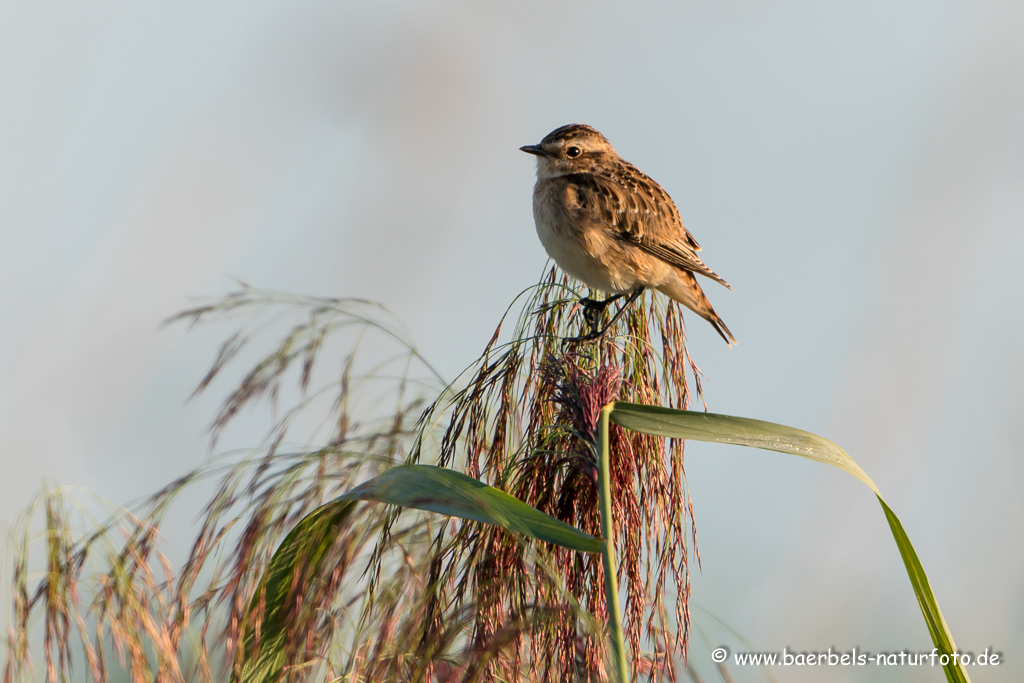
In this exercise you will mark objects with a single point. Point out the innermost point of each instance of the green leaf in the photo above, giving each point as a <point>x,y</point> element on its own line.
<point>297,561</point>
<point>686,424</point>
<point>445,491</point>
<point>937,627</point>
<point>299,558</point>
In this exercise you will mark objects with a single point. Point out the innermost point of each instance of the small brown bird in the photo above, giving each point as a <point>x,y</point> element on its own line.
<point>606,223</point>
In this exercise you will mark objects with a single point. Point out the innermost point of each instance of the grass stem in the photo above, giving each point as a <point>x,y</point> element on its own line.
<point>611,585</point>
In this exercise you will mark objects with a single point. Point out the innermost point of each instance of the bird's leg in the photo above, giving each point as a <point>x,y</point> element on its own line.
<point>633,296</point>
<point>593,309</point>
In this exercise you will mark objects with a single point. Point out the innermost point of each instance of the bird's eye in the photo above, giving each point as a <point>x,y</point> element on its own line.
<point>573,152</point>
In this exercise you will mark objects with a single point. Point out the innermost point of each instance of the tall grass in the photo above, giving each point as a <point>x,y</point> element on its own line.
<point>396,595</point>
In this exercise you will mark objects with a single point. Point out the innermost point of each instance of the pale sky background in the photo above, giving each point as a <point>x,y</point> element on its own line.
<point>855,170</point>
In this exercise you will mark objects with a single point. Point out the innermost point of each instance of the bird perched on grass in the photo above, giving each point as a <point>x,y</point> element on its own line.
<point>606,223</point>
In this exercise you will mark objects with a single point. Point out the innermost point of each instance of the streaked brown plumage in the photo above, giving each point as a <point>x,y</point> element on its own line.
<point>606,223</point>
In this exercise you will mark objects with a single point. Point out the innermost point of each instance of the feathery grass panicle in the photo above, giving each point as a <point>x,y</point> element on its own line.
<point>526,423</point>
<point>114,589</point>
<point>395,596</point>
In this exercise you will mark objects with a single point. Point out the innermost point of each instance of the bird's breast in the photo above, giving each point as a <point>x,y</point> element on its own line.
<point>580,245</point>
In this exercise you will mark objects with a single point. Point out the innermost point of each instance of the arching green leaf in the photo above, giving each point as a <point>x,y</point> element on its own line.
<point>300,556</point>
<point>424,487</point>
<point>445,491</point>
<point>686,424</point>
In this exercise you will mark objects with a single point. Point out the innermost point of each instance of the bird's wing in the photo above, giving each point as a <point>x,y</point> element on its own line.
<point>643,214</point>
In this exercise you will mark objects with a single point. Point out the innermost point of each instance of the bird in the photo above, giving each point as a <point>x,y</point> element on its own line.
<point>611,226</point>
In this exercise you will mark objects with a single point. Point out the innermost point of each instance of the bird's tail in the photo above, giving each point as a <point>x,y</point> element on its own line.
<point>685,290</point>
<point>720,328</point>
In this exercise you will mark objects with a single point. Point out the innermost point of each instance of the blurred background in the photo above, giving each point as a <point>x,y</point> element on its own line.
<point>855,170</point>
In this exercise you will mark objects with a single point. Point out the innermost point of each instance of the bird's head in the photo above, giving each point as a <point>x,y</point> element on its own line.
<point>576,148</point>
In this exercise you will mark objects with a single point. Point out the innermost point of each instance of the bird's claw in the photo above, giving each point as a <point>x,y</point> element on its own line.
<point>593,312</point>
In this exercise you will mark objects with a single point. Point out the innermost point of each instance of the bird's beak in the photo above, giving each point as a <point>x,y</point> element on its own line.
<point>535,150</point>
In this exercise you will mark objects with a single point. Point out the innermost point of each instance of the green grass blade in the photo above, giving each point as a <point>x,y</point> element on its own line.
<point>741,431</point>
<point>300,555</point>
<point>686,424</point>
<point>937,628</point>
<point>447,492</point>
